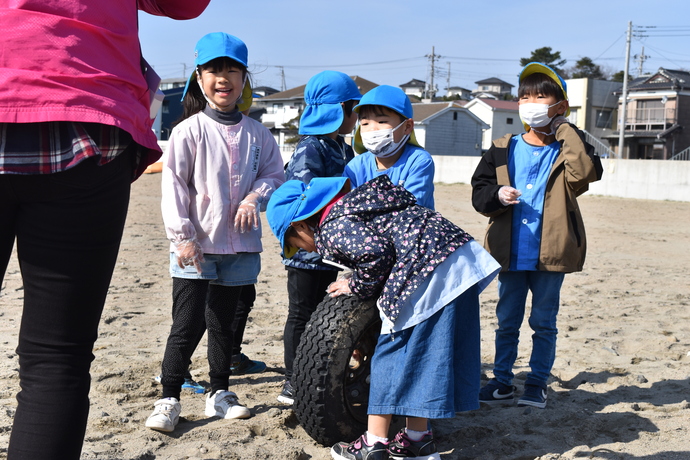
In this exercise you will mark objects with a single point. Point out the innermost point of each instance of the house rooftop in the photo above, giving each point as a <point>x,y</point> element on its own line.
<point>661,79</point>
<point>499,104</point>
<point>493,81</point>
<point>363,85</point>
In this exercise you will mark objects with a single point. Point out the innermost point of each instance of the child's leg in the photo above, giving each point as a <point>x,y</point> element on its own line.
<point>546,289</point>
<point>220,314</point>
<point>510,311</point>
<point>189,304</point>
<point>244,306</point>
<point>378,425</point>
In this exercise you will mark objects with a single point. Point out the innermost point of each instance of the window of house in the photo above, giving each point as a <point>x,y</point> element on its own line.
<point>604,118</point>
<point>509,121</point>
<point>455,115</point>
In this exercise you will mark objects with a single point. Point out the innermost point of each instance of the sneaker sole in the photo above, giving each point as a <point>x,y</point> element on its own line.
<point>238,414</point>
<point>525,403</point>
<point>286,400</point>
<point>166,428</point>
<point>435,456</point>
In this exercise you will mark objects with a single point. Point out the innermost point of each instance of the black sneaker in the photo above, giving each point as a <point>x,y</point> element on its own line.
<point>495,391</point>
<point>359,450</point>
<point>242,365</point>
<point>534,396</point>
<point>403,447</point>
<point>287,396</point>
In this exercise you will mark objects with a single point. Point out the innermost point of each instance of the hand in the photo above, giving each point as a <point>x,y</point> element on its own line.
<point>558,121</point>
<point>189,253</point>
<point>339,287</point>
<point>508,195</point>
<point>247,215</point>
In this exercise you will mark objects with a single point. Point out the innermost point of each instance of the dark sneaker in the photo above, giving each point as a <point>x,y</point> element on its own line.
<point>534,396</point>
<point>247,366</point>
<point>495,391</point>
<point>403,447</point>
<point>359,450</point>
<point>287,396</point>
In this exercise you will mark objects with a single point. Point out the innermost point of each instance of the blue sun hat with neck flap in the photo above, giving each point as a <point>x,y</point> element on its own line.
<point>323,95</point>
<point>294,201</point>
<point>215,45</point>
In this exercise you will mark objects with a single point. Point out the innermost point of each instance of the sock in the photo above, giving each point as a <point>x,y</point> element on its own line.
<point>372,438</point>
<point>416,435</point>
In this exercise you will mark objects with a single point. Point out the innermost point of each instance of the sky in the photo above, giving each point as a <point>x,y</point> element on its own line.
<point>391,41</point>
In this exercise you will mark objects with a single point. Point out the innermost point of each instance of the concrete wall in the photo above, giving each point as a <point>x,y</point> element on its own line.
<point>643,179</point>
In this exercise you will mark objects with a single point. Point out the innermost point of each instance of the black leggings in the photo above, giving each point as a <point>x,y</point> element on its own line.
<point>192,313</point>
<point>306,290</point>
<point>68,228</point>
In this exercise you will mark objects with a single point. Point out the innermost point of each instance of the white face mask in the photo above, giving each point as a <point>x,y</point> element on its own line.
<point>536,115</point>
<point>381,143</point>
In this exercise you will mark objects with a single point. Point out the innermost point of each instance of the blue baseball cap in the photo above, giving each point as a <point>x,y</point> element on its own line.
<point>294,201</point>
<point>538,67</point>
<point>323,94</point>
<point>215,45</point>
<point>392,98</point>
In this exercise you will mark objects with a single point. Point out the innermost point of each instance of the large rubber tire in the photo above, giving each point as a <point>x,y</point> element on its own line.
<point>331,386</point>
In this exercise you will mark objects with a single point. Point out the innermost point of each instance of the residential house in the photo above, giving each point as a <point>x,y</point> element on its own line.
<point>593,105</point>
<point>263,91</point>
<point>493,88</point>
<point>501,116</point>
<point>444,128</point>
<point>459,92</point>
<point>657,119</point>
<point>414,87</point>
<point>284,108</point>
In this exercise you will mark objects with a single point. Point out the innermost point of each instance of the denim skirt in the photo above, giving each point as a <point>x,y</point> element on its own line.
<point>430,370</point>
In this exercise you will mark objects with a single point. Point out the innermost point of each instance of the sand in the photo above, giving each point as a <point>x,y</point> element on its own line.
<point>620,387</point>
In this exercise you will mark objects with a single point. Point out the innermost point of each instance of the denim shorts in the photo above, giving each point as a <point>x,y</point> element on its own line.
<point>432,369</point>
<point>224,269</point>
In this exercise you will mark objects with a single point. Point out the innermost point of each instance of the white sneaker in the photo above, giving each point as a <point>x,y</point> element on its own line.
<point>166,414</point>
<point>225,404</point>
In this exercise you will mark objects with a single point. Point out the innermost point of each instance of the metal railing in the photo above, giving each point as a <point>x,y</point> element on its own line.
<point>683,155</point>
<point>599,147</point>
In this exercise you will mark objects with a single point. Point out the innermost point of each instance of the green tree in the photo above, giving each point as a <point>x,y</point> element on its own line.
<point>586,68</point>
<point>546,56</point>
<point>618,76</point>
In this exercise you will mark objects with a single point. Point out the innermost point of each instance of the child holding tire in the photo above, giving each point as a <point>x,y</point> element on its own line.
<point>426,273</point>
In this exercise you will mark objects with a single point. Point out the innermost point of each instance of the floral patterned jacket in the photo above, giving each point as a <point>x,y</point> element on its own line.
<point>391,243</point>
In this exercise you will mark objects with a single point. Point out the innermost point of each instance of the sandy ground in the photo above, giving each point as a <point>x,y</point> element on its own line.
<point>620,388</point>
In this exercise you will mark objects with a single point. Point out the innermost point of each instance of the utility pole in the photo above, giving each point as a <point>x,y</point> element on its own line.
<point>431,89</point>
<point>624,103</point>
<point>448,81</point>
<point>184,70</point>
<point>640,62</point>
<point>282,78</point>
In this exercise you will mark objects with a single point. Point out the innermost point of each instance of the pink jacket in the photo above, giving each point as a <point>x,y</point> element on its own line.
<point>79,60</point>
<point>209,168</point>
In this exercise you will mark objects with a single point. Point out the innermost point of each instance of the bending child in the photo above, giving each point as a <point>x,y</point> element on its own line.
<point>427,274</point>
<point>220,170</point>
<point>528,186</point>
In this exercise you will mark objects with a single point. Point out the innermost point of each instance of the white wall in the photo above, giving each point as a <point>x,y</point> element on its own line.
<point>643,179</point>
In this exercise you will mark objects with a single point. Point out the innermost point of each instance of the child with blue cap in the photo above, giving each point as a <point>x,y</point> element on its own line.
<point>388,145</point>
<point>528,185</point>
<point>220,169</point>
<point>426,273</point>
<point>321,152</point>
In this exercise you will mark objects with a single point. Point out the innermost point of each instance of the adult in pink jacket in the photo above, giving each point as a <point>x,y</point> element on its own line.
<point>75,130</point>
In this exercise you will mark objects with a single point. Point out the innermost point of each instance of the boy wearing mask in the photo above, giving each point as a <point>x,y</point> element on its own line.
<point>528,186</point>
